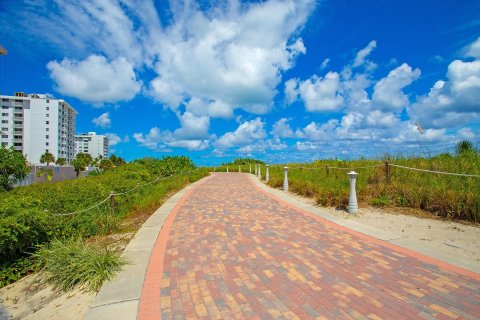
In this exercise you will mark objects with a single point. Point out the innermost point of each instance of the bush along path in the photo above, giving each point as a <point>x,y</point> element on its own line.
<point>33,216</point>
<point>230,250</point>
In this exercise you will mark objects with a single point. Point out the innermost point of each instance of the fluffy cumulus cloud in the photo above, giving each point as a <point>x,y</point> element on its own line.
<point>231,59</point>
<point>192,135</point>
<point>454,101</point>
<point>95,79</point>
<point>103,120</point>
<point>318,93</point>
<point>246,133</point>
<point>114,139</point>
<point>282,129</point>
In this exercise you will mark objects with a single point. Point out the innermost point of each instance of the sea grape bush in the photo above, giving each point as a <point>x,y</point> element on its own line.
<point>27,214</point>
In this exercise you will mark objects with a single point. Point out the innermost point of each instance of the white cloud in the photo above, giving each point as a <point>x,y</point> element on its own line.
<point>234,56</point>
<point>282,129</point>
<point>324,64</point>
<point>361,57</point>
<point>246,133</point>
<point>467,133</point>
<point>192,126</point>
<point>114,139</point>
<point>473,50</point>
<point>388,94</point>
<point>103,120</point>
<point>95,79</point>
<point>307,146</point>
<point>192,134</point>
<point>291,90</point>
<point>321,94</point>
<point>454,101</point>
<point>262,146</point>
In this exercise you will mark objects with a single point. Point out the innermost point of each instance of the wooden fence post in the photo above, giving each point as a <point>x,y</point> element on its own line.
<point>387,170</point>
<point>328,169</point>
<point>112,209</point>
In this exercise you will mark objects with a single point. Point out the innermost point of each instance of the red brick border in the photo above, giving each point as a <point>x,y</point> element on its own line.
<point>149,303</point>
<point>408,252</point>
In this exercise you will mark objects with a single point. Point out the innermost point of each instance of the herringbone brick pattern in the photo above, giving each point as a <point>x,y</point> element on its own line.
<point>233,252</point>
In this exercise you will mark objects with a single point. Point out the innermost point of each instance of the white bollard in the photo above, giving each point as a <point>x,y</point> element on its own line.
<point>250,168</point>
<point>239,169</point>
<point>267,174</point>
<point>227,168</point>
<point>352,200</point>
<point>285,179</point>
<point>259,171</point>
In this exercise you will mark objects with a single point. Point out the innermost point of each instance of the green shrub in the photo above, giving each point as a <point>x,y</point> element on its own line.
<point>72,263</point>
<point>27,214</point>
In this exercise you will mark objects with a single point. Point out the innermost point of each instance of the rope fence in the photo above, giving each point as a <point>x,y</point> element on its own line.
<point>113,194</point>
<point>437,172</point>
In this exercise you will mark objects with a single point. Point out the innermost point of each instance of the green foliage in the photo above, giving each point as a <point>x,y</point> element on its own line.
<point>117,161</point>
<point>105,164</point>
<point>243,161</point>
<point>380,201</point>
<point>11,272</point>
<point>12,168</point>
<point>81,161</point>
<point>465,147</point>
<point>454,197</point>
<point>26,213</point>
<point>47,172</point>
<point>72,263</point>
<point>47,158</point>
<point>61,162</point>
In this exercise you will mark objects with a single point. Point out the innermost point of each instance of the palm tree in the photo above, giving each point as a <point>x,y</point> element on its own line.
<point>60,161</point>
<point>47,158</point>
<point>464,147</point>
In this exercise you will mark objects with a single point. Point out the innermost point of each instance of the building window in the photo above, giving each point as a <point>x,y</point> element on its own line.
<point>48,122</point>
<point>5,114</point>
<point>5,136</point>
<point>47,136</point>
<point>4,107</point>
<point>5,100</point>
<point>4,129</point>
<point>4,121</point>
<point>48,108</point>
<point>48,129</point>
<point>46,143</point>
<point>48,115</point>
<point>17,144</point>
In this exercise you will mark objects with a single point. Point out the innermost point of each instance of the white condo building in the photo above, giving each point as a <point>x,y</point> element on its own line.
<point>91,143</point>
<point>36,123</point>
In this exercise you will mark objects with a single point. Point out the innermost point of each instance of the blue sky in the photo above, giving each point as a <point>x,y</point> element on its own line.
<point>276,80</point>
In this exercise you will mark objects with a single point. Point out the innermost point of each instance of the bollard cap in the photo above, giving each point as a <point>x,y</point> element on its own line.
<point>352,173</point>
<point>285,167</point>
<point>268,165</point>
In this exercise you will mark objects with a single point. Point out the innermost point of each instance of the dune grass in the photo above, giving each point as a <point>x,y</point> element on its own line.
<point>451,197</point>
<point>73,263</point>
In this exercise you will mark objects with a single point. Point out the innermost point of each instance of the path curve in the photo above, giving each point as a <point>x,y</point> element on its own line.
<point>229,250</point>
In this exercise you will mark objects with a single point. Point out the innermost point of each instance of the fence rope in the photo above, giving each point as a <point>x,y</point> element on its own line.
<point>438,172</point>
<point>122,193</point>
<point>339,168</point>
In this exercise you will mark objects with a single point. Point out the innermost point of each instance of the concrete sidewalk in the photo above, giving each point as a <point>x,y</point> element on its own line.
<point>118,299</point>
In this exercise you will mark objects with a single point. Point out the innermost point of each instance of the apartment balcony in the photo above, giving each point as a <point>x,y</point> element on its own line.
<point>18,125</point>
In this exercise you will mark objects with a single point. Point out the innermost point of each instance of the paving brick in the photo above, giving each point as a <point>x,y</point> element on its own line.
<point>233,252</point>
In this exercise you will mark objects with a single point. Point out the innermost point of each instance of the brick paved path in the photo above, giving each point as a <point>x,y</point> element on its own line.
<point>235,252</point>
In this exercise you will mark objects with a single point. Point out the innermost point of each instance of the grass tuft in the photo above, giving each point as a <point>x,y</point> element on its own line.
<point>73,263</point>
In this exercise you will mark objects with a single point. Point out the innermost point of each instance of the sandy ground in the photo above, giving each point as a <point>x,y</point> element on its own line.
<point>32,299</point>
<point>29,298</point>
<point>459,239</point>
